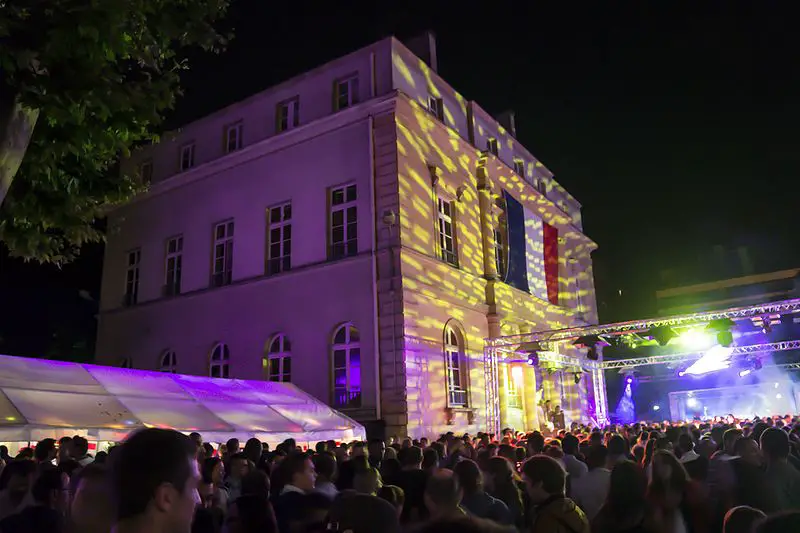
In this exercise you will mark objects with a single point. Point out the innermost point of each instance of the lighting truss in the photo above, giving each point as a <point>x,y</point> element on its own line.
<point>640,326</point>
<point>688,356</point>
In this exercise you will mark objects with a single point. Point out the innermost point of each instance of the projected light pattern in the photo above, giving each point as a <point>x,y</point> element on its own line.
<point>715,359</point>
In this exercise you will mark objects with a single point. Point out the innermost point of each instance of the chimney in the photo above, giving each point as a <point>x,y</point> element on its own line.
<point>424,47</point>
<point>507,119</point>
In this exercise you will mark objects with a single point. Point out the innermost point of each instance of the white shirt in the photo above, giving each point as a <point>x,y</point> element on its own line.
<point>590,490</point>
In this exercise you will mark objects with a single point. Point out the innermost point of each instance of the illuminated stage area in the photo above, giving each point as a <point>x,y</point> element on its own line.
<point>733,361</point>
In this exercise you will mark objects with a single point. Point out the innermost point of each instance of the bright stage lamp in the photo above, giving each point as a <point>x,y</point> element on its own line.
<point>745,372</point>
<point>656,407</point>
<point>694,339</point>
<point>692,402</point>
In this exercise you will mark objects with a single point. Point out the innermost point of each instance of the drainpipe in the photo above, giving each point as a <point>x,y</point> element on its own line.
<point>374,243</point>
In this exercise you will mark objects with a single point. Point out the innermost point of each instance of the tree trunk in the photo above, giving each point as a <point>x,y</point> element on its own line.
<point>16,128</point>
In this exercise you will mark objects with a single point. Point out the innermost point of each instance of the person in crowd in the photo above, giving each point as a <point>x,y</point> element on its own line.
<point>325,466</point>
<point>686,448</point>
<point>362,513</point>
<point>48,511</point>
<point>253,450</point>
<point>376,450</point>
<point>782,477</point>
<point>213,474</point>
<point>45,452</point>
<point>251,513</point>
<point>412,480</point>
<point>231,448</point>
<point>91,508</point>
<point>64,449</point>
<point>591,490</point>
<point>443,495</point>
<point>502,482</point>
<point>575,467</point>
<point>395,496</point>
<point>293,480</point>
<point>154,480</point>
<point>679,506</point>
<point>618,450</point>
<point>80,450</point>
<point>17,480</point>
<point>475,500</point>
<point>545,483</point>
<point>742,519</point>
<point>238,467</point>
<point>367,480</point>
<point>729,438</point>
<point>626,509</point>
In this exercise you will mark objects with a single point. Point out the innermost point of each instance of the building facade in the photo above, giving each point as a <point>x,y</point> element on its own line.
<point>356,231</point>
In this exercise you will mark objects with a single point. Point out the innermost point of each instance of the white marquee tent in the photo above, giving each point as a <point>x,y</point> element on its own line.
<point>41,398</point>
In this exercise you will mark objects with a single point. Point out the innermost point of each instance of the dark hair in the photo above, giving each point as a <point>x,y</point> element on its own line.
<point>48,481</point>
<point>679,478</point>
<point>325,465</point>
<point>256,483</point>
<point>144,461</point>
<point>255,514</point>
<point>775,443</point>
<point>100,457</point>
<point>70,466</point>
<point>443,488</point>
<point>207,470</point>
<point>570,444</point>
<point>43,449</point>
<point>410,456</point>
<point>253,449</point>
<point>505,486</point>
<point>627,490</point>
<point>536,442</point>
<point>469,476</point>
<point>547,471</point>
<point>597,457</point>
<point>616,445</point>
<point>292,464</point>
<point>80,445</point>
<point>19,468</point>
<point>392,494</point>
<point>231,444</point>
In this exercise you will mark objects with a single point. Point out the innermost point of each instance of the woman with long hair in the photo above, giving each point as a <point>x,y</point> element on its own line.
<point>678,502</point>
<point>626,509</point>
<point>502,482</point>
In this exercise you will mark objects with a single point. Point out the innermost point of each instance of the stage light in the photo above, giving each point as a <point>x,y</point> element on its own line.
<point>533,359</point>
<point>757,364</point>
<point>591,342</point>
<point>629,380</point>
<point>766,322</point>
<point>662,334</point>
<point>692,402</point>
<point>694,339</point>
<point>532,349</point>
<point>722,327</point>
<point>577,377</point>
<point>778,396</point>
<point>745,372</point>
<point>681,373</point>
<point>656,407</point>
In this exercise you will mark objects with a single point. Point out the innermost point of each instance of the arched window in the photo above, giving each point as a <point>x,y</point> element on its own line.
<point>219,366</point>
<point>168,362</point>
<point>456,367</point>
<point>277,361</point>
<point>125,362</point>
<point>346,367</point>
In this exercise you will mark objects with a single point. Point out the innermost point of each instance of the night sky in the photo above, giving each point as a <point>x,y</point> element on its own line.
<point>675,126</point>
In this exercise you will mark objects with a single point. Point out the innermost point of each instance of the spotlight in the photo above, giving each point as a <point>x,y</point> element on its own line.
<point>629,380</point>
<point>591,342</point>
<point>656,407</point>
<point>722,327</point>
<point>662,334</point>
<point>577,377</point>
<point>532,349</point>
<point>766,322</point>
<point>533,359</point>
<point>745,372</point>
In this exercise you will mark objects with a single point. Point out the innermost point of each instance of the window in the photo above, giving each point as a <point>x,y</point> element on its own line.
<point>173,266</point>
<point>278,359</point>
<point>233,138</point>
<point>168,362</point>
<point>223,254</point>
<point>279,239</point>
<point>447,243</point>
<point>346,367</point>
<point>455,367</point>
<point>512,387</point>
<point>125,362</point>
<point>501,241</point>
<point>519,167</point>
<point>436,107</point>
<point>219,366</point>
<point>345,93</point>
<point>491,145</point>
<point>146,171</point>
<point>344,222</point>
<point>288,115</point>
<point>187,157</point>
<point>132,277</point>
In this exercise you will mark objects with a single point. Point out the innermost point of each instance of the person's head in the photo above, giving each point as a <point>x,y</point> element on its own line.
<point>668,471</point>
<point>232,447</point>
<point>80,446</point>
<point>19,478</point>
<point>500,473</point>
<point>250,514</point>
<point>45,451</point>
<point>197,438</point>
<point>321,446</point>
<point>544,477</point>
<point>256,483</point>
<point>325,466</point>
<point>253,450</point>
<point>376,449</point>
<point>775,445</point>
<point>367,481</point>
<point>64,448</point>
<point>748,450</point>
<point>617,446</point>
<point>238,465</point>
<point>154,479</point>
<point>213,471</point>
<point>91,509</point>
<point>685,443</point>
<point>361,513</point>
<point>626,490</point>
<point>442,492</point>
<point>51,489</point>
<point>411,457</point>
<point>394,495</point>
<point>357,449</point>
<point>570,444</point>
<point>597,457</point>
<point>297,470</point>
<point>469,475</point>
<point>729,438</point>
<point>742,519</point>
<point>535,443</point>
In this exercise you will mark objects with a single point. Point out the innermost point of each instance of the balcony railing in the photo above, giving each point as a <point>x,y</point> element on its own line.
<point>347,399</point>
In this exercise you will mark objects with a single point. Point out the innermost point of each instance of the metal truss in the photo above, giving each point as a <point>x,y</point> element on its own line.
<point>688,356</point>
<point>639,326</point>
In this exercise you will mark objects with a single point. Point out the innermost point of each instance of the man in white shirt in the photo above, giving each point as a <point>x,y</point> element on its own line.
<point>590,490</point>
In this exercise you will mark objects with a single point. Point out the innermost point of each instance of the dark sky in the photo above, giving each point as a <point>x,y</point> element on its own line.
<point>675,125</point>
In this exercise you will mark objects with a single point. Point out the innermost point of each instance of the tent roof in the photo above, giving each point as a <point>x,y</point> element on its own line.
<point>41,398</point>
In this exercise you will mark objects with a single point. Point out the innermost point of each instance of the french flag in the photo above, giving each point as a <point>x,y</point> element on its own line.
<point>532,252</point>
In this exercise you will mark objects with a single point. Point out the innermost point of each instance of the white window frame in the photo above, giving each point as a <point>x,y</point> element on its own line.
<point>492,146</point>
<point>279,349</point>
<point>455,371</point>
<point>173,265</point>
<point>351,83</point>
<point>447,237</point>
<point>519,167</point>
<point>352,396</point>
<point>436,107</point>
<point>187,157</point>
<point>168,362</point>
<point>146,171</point>
<point>348,208</point>
<point>233,137</point>
<point>512,390</point>
<point>132,276</point>
<point>279,250</point>
<point>500,244</point>
<point>222,258</point>
<point>288,114</point>
<point>220,360</point>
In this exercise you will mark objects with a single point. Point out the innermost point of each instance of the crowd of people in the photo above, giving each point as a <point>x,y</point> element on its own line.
<point>726,476</point>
